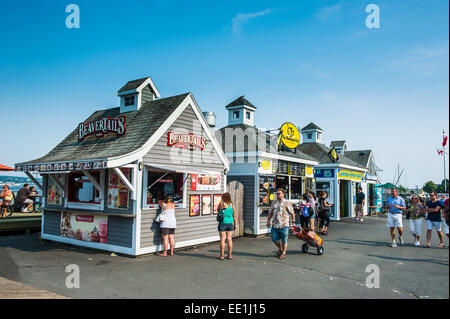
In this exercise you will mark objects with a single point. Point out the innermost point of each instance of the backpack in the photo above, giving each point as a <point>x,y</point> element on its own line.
<point>305,211</point>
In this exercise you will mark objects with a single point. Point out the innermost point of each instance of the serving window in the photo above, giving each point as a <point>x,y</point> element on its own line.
<point>283,182</point>
<point>296,188</point>
<point>82,190</point>
<point>118,193</point>
<point>54,192</point>
<point>161,184</point>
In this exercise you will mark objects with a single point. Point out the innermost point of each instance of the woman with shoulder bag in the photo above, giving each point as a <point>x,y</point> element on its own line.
<point>6,196</point>
<point>168,225</point>
<point>227,224</point>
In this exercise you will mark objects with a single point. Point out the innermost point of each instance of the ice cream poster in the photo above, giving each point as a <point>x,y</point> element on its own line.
<point>217,200</point>
<point>93,228</point>
<point>194,205</point>
<point>206,204</point>
<point>205,182</point>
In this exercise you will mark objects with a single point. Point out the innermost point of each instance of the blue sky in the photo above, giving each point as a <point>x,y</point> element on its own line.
<point>383,89</point>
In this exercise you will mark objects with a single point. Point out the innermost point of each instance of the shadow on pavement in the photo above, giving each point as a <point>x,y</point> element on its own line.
<point>360,242</point>
<point>428,260</point>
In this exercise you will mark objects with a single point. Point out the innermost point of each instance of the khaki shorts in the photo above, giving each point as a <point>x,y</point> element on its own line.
<point>358,208</point>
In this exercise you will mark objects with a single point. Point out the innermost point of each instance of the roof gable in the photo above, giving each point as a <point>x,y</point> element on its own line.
<point>241,101</point>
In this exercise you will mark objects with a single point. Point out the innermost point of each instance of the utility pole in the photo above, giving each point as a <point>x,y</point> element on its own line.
<point>445,174</point>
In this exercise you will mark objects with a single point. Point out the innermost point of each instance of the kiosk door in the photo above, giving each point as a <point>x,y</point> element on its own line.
<point>344,198</point>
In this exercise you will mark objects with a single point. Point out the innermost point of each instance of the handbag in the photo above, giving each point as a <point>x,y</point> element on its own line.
<point>220,216</point>
<point>160,217</point>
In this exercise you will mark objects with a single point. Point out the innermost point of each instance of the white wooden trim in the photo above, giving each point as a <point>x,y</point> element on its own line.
<point>153,249</point>
<point>112,248</point>
<point>92,180</point>
<point>138,182</point>
<point>125,180</point>
<point>288,158</point>
<point>34,180</point>
<point>142,151</point>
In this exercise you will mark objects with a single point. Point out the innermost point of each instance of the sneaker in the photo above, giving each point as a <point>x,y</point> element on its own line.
<point>417,244</point>
<point>401,242</point>
<point>394,244</point>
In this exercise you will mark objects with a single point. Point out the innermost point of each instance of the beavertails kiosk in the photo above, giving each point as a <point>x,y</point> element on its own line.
<point>102,183</point>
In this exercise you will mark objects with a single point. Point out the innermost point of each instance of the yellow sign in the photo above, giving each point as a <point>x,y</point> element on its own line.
<point>265,165</point>
<point>333,155</point>
<point>272,196</point>
<point>309,170</point>
<point>289,135</point>
<point>344,174</point>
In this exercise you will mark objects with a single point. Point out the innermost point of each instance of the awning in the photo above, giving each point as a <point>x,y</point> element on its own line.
<point>186,170</point>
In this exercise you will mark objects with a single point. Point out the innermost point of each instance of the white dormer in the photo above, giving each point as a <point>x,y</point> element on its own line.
<point>311,133</point>
<point>339,146</point>
<point>135,93</point>
<point>241,111</point>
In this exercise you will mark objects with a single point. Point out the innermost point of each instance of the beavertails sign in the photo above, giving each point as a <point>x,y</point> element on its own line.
<point>102,126</point>
<point>186,140</point>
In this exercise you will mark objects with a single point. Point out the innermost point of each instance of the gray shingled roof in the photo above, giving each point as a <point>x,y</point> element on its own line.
<point>132,85</point>
<point>361,157</point>
<point>337,144</point>
<point>140,126</point>
<point>320,153</point>
<point>240,101</point>
<point>311,126</point>
<point>270,142</point>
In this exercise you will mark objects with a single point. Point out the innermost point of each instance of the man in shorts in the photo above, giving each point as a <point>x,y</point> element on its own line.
<point>433,208</point>
<point>23,198</point>
<point>395,205</point>
<point>359,206</point>
<point>280,210</point>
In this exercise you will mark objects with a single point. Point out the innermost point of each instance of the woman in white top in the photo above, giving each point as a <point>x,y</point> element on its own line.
<point>168,225</point>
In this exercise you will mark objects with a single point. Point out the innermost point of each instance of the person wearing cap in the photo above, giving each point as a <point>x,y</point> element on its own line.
<point>416,211</point>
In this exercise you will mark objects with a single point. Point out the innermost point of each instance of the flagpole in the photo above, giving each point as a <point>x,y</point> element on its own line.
<point>445,174</point>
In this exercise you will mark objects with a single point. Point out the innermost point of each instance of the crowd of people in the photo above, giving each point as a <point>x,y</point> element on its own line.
<point>24,199</point>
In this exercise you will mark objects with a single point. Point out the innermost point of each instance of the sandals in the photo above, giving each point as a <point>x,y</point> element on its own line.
<point>282,256</point>
<point>440,246</point>
<point>278,253</point>
<point>427,246</point>
<point>229,258</point>
<point>162,255</point>
<point>220,258</point>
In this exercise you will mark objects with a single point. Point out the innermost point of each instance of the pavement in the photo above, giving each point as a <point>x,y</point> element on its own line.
<point>405,272</point>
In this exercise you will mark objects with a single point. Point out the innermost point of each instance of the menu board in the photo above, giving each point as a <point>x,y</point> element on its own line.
<point>194,205</point>
<point>283,167</point>
<point>118,193</point>
<point>267,188</point>
<point>217,200</point>
<point>206,204</point>
<point>296,169</point>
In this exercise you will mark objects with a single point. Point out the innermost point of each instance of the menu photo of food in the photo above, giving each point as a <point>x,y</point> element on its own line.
<point>194,205</point>
<point>93,228</point>
<point>217,200</point>
<point>206,204</point>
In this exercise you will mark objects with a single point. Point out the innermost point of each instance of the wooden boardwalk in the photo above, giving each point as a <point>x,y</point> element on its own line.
<point>21,221</point>
<point>15,290</point>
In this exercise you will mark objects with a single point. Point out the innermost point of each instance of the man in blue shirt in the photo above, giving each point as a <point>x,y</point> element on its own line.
<point>433,208</point>
<point>395,205</point>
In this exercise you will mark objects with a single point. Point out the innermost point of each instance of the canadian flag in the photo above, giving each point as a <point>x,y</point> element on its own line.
<point>440,152</point>
<point>444,142</point>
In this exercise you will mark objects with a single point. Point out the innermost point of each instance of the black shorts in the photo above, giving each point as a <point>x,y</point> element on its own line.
<point>167,231</point>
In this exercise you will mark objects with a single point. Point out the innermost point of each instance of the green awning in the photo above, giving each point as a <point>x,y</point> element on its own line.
<point>387,185</point>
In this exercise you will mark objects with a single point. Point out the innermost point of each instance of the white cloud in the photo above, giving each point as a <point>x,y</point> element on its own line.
<point>240,19</point>
<point>325,13</point>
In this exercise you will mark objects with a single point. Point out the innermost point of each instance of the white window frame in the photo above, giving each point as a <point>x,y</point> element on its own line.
<point>78,205</point>
<point>155,206</point>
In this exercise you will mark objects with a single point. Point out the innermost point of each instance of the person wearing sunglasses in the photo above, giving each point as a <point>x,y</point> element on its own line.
<point>433,210</point>
<point>280,210</point>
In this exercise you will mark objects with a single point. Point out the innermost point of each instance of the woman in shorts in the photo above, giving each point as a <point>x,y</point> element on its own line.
<point>416,212</point>
<point>168,225</point>
<point>227,226</point>
<point>6,196</point>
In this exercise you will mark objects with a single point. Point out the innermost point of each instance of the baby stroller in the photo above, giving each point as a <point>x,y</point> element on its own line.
<point>309,241</point>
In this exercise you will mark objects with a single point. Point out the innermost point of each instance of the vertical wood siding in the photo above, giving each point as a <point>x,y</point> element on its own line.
<point>188,228</point>
<point>249,198</point>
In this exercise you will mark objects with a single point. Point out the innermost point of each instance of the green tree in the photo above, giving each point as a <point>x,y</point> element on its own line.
<point>402,189</point>
<point>440,188</point>
<point>429,187</point>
